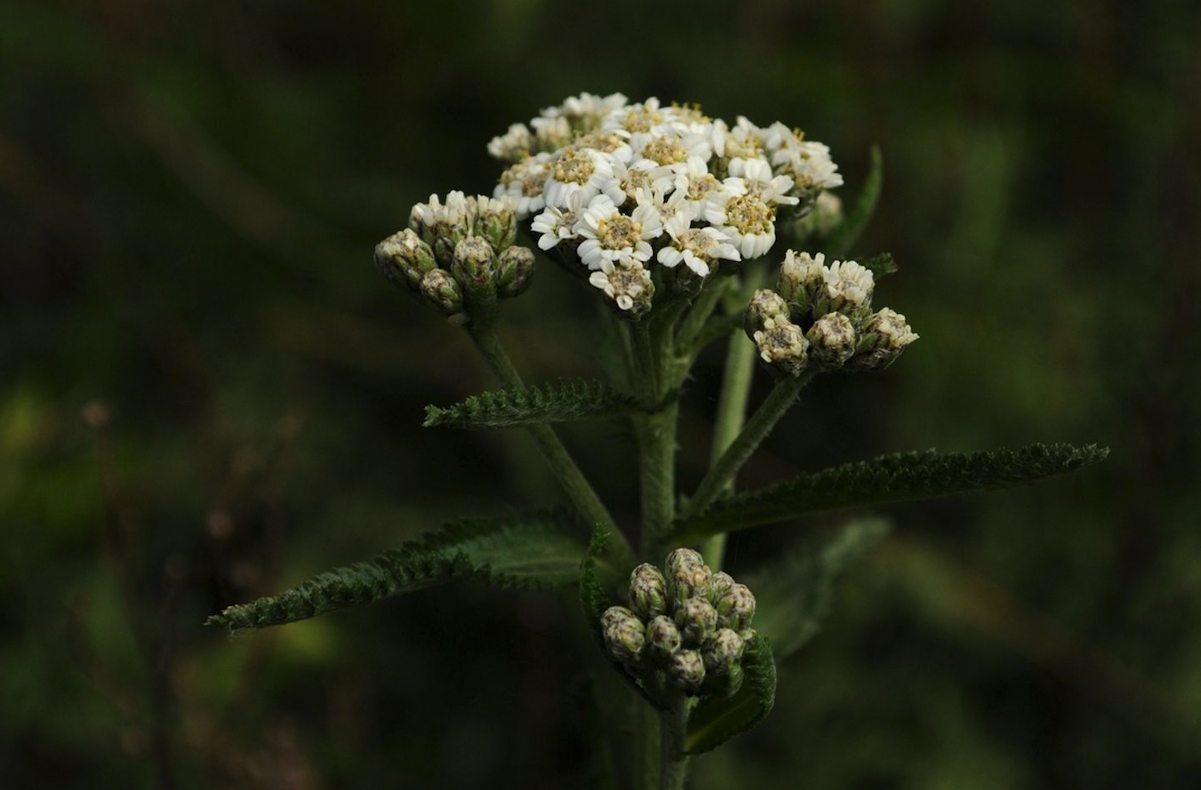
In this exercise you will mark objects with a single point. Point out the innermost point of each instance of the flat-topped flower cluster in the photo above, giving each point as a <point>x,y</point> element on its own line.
<point>624,188</point>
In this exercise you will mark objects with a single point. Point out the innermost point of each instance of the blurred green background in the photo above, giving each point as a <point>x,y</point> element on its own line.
<point>207,394</point>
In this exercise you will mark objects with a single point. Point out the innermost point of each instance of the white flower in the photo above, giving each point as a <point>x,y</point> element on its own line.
<point>744,216</point>
<point>636,118</point>
<point>808,164</point>
<point>744,141</point>
<point>694,181</point>
<point>557,225</point>
<point>552,132</point>
<point>629,285</point>
<point>758,175</point>
<point>673,144</point>
<point>801,268</point>
<point>513,145</point>
<point>643,175</point>
<point>669,205</point>
<point>614,143</point>
<point>697,248</point>
<point>525,182</point>
<point>458,212</point>
<point>849,283</point>
<point>610,236</point>
<point>588,171</point>
<point>892,329</point>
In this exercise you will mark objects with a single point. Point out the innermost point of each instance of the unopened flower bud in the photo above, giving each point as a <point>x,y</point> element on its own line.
<point>766,306</point>
<point>719,584</point>
<point>629,285</point>
<point>444,225</point>
<point>736,608</point>
<point>663,639</point>
<point>475,265</point>
<point>686,671</point>
<point>823,218</point>
<point>849,288</point>
<point>442,292</point>
<point>724,685</point>
<point>496,221</point>
<point>624,634</point>
<point>648,591</point>
<point>514,269</point>
<point>802,279</point>
<point>722,651</point>
<point>696,619</point>
<point>884,337</point>
<point>782,346</point>
<point>747,635</point>
<point>404,259</point>
<point>832,340</point>
<point>687,575</point>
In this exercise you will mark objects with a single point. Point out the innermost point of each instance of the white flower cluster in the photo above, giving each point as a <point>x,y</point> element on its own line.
<point>626,187</point>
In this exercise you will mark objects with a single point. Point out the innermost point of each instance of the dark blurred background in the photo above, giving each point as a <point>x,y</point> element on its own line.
<point>206,393</point>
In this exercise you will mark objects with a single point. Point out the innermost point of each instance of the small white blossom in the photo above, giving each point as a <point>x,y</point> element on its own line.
<point>744,141</point>
<point>557,225</point>
<point>611,236</point>
<point>629,285</point>
<point>743,216</point>
<point>849,283</point>
<point>513,145</point>
<point>525,182</point>
<point>758,175</point>
<point>587,171</point>
<point>643,175</point>
<point>808,164</point>
<point>696,248</point>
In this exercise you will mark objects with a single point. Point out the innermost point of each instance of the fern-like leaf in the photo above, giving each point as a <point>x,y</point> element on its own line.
<point>533,549</point>
<point>891,478</point>
<point>567,401</point>
<point>843,238</point>
<point>880,265</point>
<point>714,720</point>
<point>793,593</point>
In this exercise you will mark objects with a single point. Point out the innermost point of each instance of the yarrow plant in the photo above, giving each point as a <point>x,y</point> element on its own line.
<point>675,221</point>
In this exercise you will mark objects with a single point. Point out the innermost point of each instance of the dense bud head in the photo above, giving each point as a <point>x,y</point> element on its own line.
<point>474,263</point>
<point>686,671</point>
<point>884,337</point>
<point>663,639</point>
<point>832,340</point>
<point>722,651</point>
<point>687,575</point>
<point>783,347</point>
<point>442,292</point>
<point>766,307</point>
<point>696,619</point>
<point>444,225</point>
<point>736,608</point>
<point>496,221</point>
<point>624,634</point>
<point>648,591</point>
<point>514,270</point>
<point>802,277</point>
<point>719,584</point>
<point>404,259</point>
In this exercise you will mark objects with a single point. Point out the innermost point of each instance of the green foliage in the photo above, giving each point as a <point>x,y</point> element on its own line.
<point>843,238</point>
<point>794,592</point>
<point>880,265</point>
<point>537,549</point>
<point>890,478</point>
<point>714,721</point>
<point>567,401</point>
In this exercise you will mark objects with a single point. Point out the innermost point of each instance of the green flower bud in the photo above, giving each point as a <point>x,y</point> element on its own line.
<point>496,221</point>
<point>444,225</point>
<point>802,280</point>
<point>687,575</point>
<point>696,618</point>
<point>782,347</point>
<point>442,292</point>
<point>832,340</point>
<point>747,635</point>
<point>765,307</point>
<point>474,265</point>
<point>722,651</point>
<point>624,634</point>
<point>663,639</point>
<point>726,684</point>
<point>686,671</point>
<point>736,608</point>
<point>404,259</point>
<point>648,591</point>
<point>884,337</point>
<point>719,585</point>
<point>514,269</point>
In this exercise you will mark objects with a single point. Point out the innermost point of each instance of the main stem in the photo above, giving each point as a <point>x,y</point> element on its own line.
<point>673,763</point>
<point>564,468</point>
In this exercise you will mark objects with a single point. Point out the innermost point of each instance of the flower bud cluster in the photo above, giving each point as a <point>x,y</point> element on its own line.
<point>629,192</point>
<point>458,253</point>
<point>820,317</point>
<point>685,630</point>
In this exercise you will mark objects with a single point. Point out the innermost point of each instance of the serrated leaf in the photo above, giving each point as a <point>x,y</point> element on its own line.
<point>890,478</point>
<point>880,265</point>
<point>793,593</point>
<point>567,401</point>
<point>714,720</point>
<point>843,238</point>
<point>537,549</point>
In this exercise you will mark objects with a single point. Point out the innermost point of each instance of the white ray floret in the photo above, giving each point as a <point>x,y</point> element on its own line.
<point>613,237</point>
<point>697,248</point>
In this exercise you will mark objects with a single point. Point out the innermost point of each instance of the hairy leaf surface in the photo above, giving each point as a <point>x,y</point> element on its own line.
<point>533,549</point>
<point>890,478</point>
<point>793,593</point>
<point>567,401</point>
<point>714,721</point>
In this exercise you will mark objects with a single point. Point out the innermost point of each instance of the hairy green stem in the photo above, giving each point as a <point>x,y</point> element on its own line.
<point>646,377</point>
<point>782,396</point>
<point>673,763</point>
<point>576,486</point>
<point>646,745</point>
<point>702,307</point>
<point>731,414</point>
